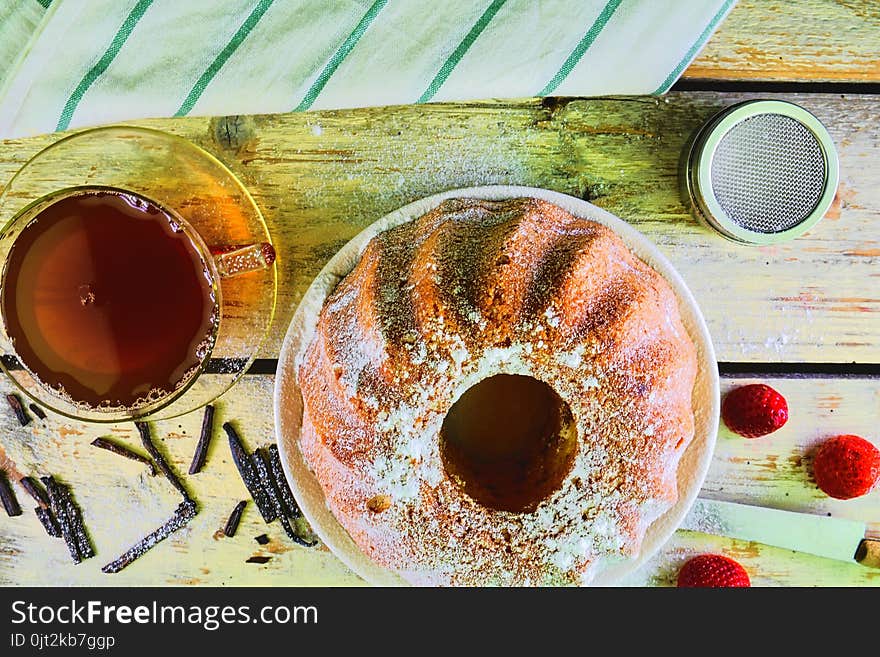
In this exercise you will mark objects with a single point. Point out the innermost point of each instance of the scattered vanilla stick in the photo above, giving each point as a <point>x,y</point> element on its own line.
<point>36,410</point>
<point>291,507</point>
<point>7,496</point>
<point>207,432</point>
<point>70,521</point>
<point>44,513</point>
<point>264,478</point>
<point>247,470</point>
<point>144,430</point>
<point>272,486</point>
<point>184,512</point>
<point>34,489</point>
<point>261,465</point>
<point>234,518</point>
<point>122,450</point>
<point>49,522</point>
<point>18,409</point>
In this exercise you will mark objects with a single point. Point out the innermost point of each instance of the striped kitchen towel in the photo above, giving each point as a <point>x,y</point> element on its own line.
<point>72,63</point>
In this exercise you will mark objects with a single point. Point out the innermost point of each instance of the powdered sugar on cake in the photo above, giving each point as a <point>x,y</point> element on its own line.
<point>468,291</point>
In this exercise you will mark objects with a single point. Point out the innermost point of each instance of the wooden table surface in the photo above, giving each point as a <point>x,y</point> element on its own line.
<point>802,316</point>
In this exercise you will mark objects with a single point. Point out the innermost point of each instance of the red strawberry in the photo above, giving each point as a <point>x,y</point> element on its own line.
<point>754,410</point>
<point>712,571</point>
<point>846,467</point>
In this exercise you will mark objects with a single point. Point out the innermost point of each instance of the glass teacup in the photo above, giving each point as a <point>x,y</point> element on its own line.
<point>113,307</point>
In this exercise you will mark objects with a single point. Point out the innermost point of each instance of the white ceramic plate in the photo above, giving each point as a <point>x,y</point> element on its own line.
<point>288,400</point>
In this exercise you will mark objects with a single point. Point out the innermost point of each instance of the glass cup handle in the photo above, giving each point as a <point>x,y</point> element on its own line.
<point>236,260</point>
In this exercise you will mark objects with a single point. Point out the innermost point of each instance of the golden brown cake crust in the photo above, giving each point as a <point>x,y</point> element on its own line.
<point>467,291</point>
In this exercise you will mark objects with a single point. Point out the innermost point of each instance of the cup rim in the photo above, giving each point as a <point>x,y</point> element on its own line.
<point>116,414</point>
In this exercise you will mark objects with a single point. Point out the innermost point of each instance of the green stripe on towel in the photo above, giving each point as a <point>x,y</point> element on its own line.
<point>215,66</point>
<point>102,64</point>
<point>338,57</point>
<point>694,49</point>
<point>460,51</point>
<point>582,47</point>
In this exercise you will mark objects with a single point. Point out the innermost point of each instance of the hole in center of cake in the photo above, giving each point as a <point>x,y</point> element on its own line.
<point>509,441</point>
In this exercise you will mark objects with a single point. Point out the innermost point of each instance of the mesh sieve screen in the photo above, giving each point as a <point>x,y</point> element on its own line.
<point>768,173</point>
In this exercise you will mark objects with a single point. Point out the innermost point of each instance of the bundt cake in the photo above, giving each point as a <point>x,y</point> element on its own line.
<point>498,393</point>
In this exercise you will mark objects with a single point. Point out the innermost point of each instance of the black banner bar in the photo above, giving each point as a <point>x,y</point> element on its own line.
<point>167,622</point>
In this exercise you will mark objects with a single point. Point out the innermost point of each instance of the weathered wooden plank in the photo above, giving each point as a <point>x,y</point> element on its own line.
<point>121,502</point>
<point>833,40</point>
<point>321,177</point>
